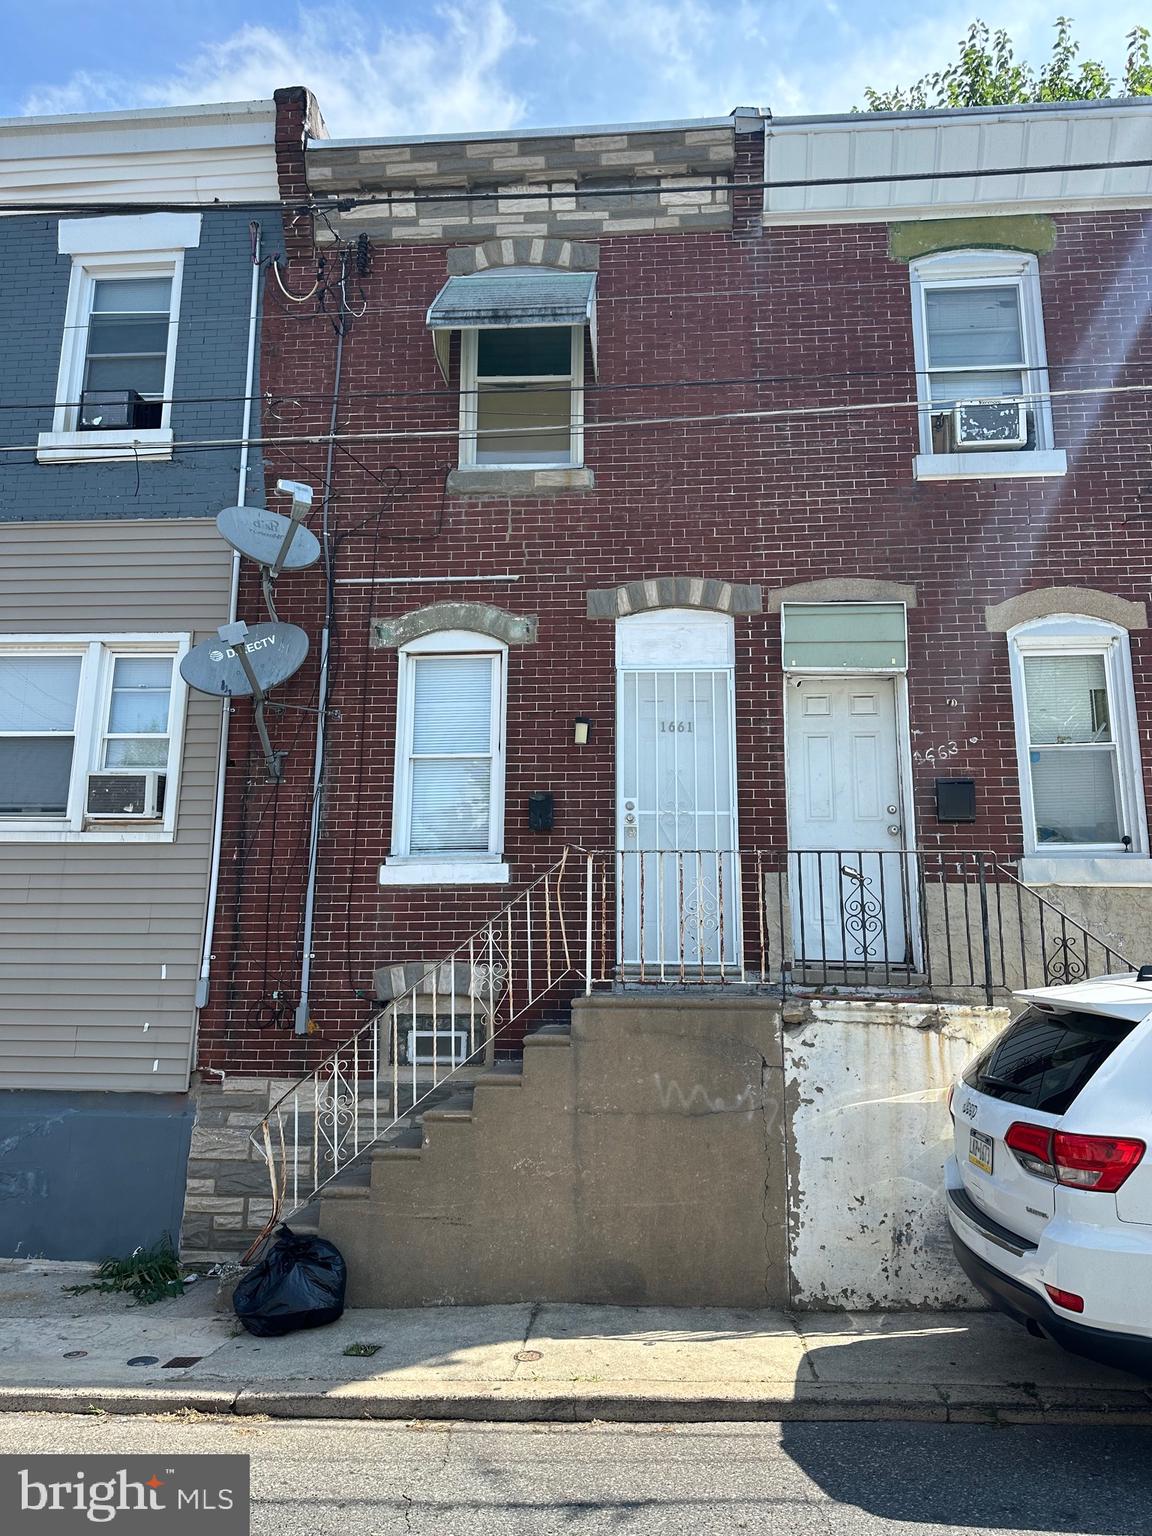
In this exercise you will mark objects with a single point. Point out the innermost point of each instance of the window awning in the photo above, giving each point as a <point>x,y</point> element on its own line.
<point>505,299</point>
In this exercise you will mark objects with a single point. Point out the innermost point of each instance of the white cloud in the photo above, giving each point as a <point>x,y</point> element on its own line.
<point>494,64</point>
<point>370,79</point>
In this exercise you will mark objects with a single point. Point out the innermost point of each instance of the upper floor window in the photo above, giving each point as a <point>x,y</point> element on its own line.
<point>521,396</point>
<point>1080,782</point>
<point>448,801</point>
<point>89,734</point>
<point>125,365</point>
<point>118,348</point>
<point>981,365</point>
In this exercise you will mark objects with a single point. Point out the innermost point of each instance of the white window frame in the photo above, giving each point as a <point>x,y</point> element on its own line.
<point>1077,635</point>
<point>985,269</point>
<point>452,867</point>
<point>469,394</point>
<point>66,443</point>
<point>93,699</point>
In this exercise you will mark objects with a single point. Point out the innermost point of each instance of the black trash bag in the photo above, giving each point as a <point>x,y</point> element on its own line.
<point>299,1283</point>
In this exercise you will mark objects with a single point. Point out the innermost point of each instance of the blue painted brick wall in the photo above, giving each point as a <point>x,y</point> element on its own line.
<point>211,353</point>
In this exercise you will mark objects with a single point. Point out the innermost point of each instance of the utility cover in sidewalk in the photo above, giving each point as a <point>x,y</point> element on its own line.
<point>144,1360</point>
<point>527,1355</point>
<point>181,1362</point>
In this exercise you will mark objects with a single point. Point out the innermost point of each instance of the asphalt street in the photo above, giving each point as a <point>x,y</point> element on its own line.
<point>312,1478</point>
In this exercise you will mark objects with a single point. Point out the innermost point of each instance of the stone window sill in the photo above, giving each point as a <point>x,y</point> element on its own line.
<point>1019,465</point>
<point>1086,869</point>
<point>400,871</point>
<point>519,482</point>
<point>98,447</point>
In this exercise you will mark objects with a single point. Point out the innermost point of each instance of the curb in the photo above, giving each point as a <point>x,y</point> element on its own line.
<point>817,1402</point>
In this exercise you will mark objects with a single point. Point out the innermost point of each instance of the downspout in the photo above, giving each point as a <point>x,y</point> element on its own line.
<point>233,596</point>
<point>303,1008</point>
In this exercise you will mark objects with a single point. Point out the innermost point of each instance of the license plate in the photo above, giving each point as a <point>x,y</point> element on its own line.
<point>980,1150</point>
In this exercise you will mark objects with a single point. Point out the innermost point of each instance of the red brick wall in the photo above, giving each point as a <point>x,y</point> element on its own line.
<point>821,317</point>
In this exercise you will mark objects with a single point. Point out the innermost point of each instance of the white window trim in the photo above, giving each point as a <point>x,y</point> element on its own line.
<point>469,349</point>
<point>1075,634</point>
<point>98,652</point>
<point>460,867</point>
<point>65,444</point>
<point>978,269</point>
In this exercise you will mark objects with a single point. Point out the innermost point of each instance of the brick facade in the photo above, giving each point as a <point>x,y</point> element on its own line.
<point>818,317</point>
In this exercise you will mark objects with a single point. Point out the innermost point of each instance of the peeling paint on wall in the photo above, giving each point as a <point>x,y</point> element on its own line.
<point>866,1085</point>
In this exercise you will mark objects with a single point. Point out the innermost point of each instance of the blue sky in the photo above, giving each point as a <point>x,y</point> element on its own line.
<point>391,66</point>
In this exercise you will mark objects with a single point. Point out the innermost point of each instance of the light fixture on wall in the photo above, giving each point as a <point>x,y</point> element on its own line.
<point>581,730</point>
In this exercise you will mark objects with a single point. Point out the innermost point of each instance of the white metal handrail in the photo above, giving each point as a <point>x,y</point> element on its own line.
<point>352,1099</point>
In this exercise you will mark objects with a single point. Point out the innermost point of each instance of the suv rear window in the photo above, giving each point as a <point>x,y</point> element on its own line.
<point>1043,1060</point>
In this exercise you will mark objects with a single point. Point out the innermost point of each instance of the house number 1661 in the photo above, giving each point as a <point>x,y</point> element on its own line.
<point>679,726</point>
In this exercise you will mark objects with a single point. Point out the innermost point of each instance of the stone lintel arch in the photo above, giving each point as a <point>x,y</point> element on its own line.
<point>674,592</point>
<point>1043,602</point>
<point>524,251</point>
<point>844,589</point>
<point>478,618</point>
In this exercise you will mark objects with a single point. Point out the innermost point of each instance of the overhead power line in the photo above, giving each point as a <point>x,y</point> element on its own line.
<point>623,423</point>
<point>338,204</point>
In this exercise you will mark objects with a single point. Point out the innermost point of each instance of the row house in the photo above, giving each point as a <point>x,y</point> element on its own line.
<point>731,660</point>
<point>128,332</point>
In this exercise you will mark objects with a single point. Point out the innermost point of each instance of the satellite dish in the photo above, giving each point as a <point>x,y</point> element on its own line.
<point>260,534</point>
<point>273,651</point>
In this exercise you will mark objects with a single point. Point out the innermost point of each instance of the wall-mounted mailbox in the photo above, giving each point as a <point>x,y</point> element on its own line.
<point>955,799</point>
<point>542,810</point>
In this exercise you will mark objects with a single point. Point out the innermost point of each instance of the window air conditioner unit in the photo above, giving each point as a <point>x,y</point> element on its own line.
<point>984,424</point>
<point>110,410</point>
<point>126,796</point>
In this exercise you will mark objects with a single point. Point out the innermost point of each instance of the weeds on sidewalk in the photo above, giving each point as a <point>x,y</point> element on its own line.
<point>147,1275</point>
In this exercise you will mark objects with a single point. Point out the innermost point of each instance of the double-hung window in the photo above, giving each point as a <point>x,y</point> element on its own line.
<point>981,366</point>
<point>118,352</point>
<point>448,804</point>
<point>1076,733</point>
<point>521,394</point>
<point>90,732</point>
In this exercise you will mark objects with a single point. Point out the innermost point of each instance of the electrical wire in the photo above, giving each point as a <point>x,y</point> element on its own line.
<point>765,416</point>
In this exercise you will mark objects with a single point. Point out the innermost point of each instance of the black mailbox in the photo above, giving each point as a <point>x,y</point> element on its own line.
<point>542,810</point>
<point>955,799</point>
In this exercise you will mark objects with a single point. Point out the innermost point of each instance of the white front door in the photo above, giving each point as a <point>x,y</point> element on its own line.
<point>852,885</point>
<point>677,877</point>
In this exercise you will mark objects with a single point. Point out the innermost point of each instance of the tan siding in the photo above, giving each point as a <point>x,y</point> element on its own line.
<point>85,929</point>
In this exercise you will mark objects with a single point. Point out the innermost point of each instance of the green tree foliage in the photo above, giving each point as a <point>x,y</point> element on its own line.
<point>987,73</point>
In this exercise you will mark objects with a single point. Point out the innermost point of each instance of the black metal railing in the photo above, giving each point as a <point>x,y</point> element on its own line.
<point>807,919</point>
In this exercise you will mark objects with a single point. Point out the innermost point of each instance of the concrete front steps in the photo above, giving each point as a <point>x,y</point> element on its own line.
<point>635,1158</point>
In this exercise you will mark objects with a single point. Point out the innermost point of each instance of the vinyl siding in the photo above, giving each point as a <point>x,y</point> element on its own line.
<point>100,943</point>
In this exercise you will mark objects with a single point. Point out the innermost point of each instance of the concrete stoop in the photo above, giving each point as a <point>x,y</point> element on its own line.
<point>615,1167</point>
<point>683,1151</point>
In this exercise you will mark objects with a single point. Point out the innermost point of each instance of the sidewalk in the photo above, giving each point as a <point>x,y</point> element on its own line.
<point>70,1354</point>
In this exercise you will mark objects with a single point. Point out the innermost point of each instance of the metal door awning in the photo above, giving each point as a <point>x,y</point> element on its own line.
<point>486,300</point>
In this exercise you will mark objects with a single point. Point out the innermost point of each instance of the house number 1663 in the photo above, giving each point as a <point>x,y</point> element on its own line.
<point>679,726</point>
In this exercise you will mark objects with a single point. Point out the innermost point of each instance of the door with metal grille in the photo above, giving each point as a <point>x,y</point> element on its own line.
<point>678,883</point>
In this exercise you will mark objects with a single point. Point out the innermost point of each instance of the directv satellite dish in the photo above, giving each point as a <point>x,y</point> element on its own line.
<point>260,534</point>
<point>273,652</point>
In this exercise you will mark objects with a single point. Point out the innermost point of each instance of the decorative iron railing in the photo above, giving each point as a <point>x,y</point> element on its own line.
<point>439,1030</point>
<point>806,919</point>
<point>803,921</point>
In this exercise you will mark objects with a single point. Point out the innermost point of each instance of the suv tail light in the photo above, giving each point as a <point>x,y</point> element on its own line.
<point>1066,1299</point>
<point>1095,1162</point>
<point>1100,1163</point>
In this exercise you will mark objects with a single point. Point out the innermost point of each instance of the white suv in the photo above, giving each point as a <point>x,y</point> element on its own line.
<point>1049,1189</point>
